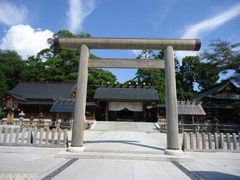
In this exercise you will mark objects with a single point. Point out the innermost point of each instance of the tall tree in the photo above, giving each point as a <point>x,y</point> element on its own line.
<point>151,77</point>
<point>61,64</point>
<point>225,56</point>
<point>3,89</point>
<point>3,85</point>
<point>187,77</point>
<point>207,75</point>
<point>34,70</point>
<point>11,65</point>
<point>98,77</point>
<point>48,65</point>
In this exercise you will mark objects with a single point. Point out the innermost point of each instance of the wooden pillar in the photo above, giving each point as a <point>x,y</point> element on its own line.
<point>10,116</point>
<point>193,119</point>
<point>106,112</point>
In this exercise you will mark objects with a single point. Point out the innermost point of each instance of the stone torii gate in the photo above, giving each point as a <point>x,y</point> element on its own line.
<point>168,45</point>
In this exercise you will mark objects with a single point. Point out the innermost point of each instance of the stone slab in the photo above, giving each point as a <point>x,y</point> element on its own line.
<point>109,169</point>
<point>123,156</point>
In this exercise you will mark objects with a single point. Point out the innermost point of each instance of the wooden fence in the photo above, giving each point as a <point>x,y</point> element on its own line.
<point>33,137</point>
<point>211,141</point>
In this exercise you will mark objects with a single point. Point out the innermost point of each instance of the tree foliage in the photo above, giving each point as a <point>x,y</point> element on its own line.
<point>11,66</point>
<point>207,75</point>
<point>62,64</point>
<point>187,77</point>
<point>48,65</point>
<point>225,56</point>
<point>151,77</point>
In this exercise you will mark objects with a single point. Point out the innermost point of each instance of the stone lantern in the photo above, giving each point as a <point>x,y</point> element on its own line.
<point>11,106</point>
<point>21,115</point>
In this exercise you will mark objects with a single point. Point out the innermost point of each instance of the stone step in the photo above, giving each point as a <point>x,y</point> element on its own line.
<point>124,151</point>
<point>123,156</point>
<point>125,126</point>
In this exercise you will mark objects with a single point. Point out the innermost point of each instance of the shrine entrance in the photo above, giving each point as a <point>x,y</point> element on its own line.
<point>125,115</point>
<point>168,45</point>
<point>124,111</point>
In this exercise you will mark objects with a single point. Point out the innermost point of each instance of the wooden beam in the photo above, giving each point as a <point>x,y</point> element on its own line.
<point>126,63</point>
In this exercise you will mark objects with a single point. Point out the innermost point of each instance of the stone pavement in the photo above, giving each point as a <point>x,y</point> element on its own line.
<point>116,154</point>
<point>125,126</point>
<point>45,163</point>
<point>28,162</point>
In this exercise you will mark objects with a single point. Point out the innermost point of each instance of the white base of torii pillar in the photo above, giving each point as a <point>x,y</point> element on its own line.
<point>171,104</point>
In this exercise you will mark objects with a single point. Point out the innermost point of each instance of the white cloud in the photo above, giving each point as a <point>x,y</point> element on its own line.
<point>11,14</point>
<point>25,40</point>
<point>78,11</point>
<point>210,24</point>
<point>136,52</point>
<point>207,25</point>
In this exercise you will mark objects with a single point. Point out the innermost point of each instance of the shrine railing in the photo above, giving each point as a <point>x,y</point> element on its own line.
<point>33,137</point>
<point>211,142</point>
<point>207,128</point>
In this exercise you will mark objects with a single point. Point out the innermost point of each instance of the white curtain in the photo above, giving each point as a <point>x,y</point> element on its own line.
<point>131,106</point>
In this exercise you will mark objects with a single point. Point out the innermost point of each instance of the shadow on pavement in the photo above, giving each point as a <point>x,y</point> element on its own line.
<point>215,175</point>
<point>130,142</point>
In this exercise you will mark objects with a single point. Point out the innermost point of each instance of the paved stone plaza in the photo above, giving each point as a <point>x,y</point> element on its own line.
<point>117,154</point>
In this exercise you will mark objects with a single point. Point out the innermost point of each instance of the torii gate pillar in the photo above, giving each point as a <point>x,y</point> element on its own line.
<point>80,103</point>
<point>171,103</point>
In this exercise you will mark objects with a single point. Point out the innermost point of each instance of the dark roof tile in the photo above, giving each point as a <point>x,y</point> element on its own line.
<point>46,91</point>
<point>214,91</point>
<point>126,94</point>
<point>67,105</point>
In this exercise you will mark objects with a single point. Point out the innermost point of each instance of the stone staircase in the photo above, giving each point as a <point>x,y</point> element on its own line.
<point>125,126</point>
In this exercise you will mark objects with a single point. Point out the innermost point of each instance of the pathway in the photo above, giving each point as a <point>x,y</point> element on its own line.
<point>117,152</point>
<point>124,137</point>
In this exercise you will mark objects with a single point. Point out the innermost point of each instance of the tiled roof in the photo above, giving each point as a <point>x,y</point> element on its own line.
<point>217,91</point>
<point>126,94</point>
<point>67,105</point>
<point>188,108</point>
<point>42,91</point>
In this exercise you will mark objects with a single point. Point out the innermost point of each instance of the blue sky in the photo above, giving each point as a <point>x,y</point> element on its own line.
<point>26,24</point>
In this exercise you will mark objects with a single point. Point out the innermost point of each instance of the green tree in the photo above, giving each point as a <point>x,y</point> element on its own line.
<point>156,77</point>
<point>188,71</point>
<point>3,89</point>
<point>34,70</point>
<point>62,64</point>
<point>187,77</point>
<point>48,65</point>
<point>98,77</point>
<point>195,72</point>
<point>151,77</point>
<point>207,75</point>
<point>225,56</point>
<point>11,65</point>
<point>3,86</point>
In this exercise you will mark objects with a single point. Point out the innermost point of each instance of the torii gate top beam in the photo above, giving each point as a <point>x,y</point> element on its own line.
<point>128,43</point>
